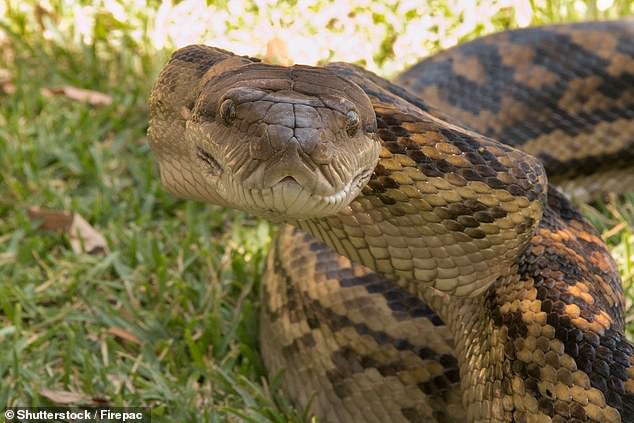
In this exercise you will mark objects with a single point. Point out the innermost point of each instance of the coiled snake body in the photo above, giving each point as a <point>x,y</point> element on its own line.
<point>431,272</point>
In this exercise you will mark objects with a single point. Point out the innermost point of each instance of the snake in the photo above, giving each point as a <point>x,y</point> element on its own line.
<point>431,265</point>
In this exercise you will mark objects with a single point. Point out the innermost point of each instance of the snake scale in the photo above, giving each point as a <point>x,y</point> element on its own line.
<point>430,271</point>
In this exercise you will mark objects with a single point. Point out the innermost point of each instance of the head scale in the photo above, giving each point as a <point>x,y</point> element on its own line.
<point>288,143</point>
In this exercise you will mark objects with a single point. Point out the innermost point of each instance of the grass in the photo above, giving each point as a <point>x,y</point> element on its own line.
<point>168,317</point>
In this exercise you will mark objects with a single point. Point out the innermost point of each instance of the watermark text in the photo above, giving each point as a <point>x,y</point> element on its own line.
<point>77,414</point>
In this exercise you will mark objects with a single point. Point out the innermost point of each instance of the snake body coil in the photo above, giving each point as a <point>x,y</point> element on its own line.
<point>431,274</point>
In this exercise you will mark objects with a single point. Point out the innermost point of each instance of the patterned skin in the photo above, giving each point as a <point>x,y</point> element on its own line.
<point>563,93</point>
<point>450,282</point>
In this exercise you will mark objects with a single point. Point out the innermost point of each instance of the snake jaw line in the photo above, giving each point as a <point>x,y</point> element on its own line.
<point>287,200</point>
<point>214,167</point>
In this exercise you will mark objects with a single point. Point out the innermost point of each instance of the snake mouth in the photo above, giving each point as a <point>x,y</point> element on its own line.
<point>289,197</point>
<point>362,178</point>
<point>350,189</point>
<point>290,200</point>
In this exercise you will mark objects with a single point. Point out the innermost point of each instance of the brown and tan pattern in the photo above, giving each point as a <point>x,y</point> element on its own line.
<point>372,350</point>
<point>432,273</point>
<point>562,93</point>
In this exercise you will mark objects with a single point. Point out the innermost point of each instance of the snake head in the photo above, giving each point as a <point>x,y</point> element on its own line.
<point>286,143</point>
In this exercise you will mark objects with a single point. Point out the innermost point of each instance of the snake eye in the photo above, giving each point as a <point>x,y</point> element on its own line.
<point>228,111</point>
<point>352,122</point>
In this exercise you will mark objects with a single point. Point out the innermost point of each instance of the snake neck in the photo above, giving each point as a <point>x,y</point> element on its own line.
<point>479,343</point>
<point>552,320</point>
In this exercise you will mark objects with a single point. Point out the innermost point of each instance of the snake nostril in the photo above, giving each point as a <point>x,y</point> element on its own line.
<point>353,122</point>
<point>228,111</point>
